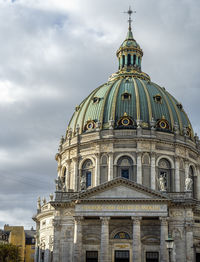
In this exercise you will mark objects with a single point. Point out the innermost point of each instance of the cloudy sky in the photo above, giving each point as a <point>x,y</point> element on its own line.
<point>53,53</point>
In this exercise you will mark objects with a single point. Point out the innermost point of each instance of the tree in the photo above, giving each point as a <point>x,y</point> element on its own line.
<point>9,253</point>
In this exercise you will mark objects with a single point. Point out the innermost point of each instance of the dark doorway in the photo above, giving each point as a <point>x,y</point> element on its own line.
<point>197,257</point>
<point>91,256</point>
<point>121,255</point>
<point>152,257</point>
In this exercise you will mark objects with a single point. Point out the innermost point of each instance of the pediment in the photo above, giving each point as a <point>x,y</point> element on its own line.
<point>121,189</point>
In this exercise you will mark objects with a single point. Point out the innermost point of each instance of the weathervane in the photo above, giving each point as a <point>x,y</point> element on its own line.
<point>129,12</point>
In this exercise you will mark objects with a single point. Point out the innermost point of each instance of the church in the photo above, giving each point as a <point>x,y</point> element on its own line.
<point>128,184</point>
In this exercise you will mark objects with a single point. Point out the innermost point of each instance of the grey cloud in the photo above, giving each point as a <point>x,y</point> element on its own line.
<point>54,54</point>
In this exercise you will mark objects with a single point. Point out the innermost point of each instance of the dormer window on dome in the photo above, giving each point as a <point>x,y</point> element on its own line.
<point>126,96</point>
<point>96,100</point>
<point>125,121</point>
<point>157,99</point>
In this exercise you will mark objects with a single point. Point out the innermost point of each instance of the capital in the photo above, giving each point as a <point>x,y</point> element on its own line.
<point>78,219</point>
<point>163,221</point>
<point>104,220</point>
<point>136,220</point>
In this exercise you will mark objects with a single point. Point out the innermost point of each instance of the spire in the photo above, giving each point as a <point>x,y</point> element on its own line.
<point>129,12</point>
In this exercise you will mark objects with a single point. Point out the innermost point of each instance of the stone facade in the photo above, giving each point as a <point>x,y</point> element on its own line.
<point>122,214</point>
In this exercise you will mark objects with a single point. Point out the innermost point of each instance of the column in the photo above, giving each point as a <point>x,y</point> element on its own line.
<point>153,170</point>
<point>139,168</point>
<point>77,256</point>
<point>163,236</point>
<point>177,175</point>
<point>136,239</point>
<point>126,59</point>
<point>104,248</point>
<point>97,171</point>
<point>110,167</point>
<point>75,176</point>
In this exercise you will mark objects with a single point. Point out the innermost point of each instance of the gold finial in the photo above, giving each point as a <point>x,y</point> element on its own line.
<point>129,12</point>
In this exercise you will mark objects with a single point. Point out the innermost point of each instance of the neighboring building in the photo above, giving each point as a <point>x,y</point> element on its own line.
<point>4,236</point>
<point>24,239</point>
<point>128,175</point>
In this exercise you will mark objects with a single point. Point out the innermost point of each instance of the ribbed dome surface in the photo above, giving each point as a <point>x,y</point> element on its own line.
<point>132,99</point>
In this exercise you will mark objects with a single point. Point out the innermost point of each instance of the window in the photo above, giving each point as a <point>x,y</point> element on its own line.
<point>134,59</point>
<point>152,256</point>
<point>125,167</point>
<point>86,175</point>
<point>125,173</point>
<point>126,96</point>
<point>88,179</point>
<point>96,100</point>
<point>91,256</point>
<point>123,60</point>
<point>157,99</point>
<point>129,59</point>
<point>122,235</point>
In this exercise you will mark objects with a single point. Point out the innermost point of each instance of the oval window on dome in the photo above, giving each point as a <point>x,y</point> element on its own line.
<point>157,99</point>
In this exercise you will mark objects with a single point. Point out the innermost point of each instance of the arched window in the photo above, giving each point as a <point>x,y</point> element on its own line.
<point>134,59</point>
<point>125,167</point>
<point>122,235</point>
<point>64,175</point>
<point>164,171</point>
<point>86,176</point>
<point>123,60</point>
<point>129,60</point>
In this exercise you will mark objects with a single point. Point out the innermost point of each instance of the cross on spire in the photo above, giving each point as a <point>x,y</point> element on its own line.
<point>130,12</point>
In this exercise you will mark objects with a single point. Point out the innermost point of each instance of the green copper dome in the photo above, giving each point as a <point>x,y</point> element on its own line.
<point>129,100</point>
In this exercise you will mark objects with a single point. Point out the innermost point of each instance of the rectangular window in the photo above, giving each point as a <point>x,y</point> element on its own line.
<point>197,257</point>
<point>88,178</point>
<point>91,256</point>
<point>125,173</point>
<point>122,255</point>
<point>152,256</point>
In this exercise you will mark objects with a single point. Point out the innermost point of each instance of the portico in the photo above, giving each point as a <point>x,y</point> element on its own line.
<point>97,230</point>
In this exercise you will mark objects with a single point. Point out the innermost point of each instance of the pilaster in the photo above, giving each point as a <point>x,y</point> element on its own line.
<point>153,170</point>
<point>189,242</point>
<point>75,163</point>
<point>139,168</point>
<point>56,249</point>
<point>164,256</point>
<point>110,168</point>
<point>97,170</point>
<point>77,254</point>
<point>104,248</point>
<point>177,175</point>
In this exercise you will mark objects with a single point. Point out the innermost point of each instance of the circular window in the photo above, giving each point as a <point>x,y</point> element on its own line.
<point>125,122</point>
<point>163,124</point>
